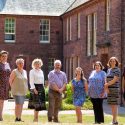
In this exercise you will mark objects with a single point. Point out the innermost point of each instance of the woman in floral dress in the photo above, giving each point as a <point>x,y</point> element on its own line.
<point>79,87</point>
<point>4,80</point>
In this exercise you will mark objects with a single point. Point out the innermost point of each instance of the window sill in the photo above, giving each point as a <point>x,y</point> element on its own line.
<point>46,42</point>
<point>9,41</point>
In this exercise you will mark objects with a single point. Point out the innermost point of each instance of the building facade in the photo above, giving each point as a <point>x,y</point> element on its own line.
<point>78,32</point>
<point>92,31</point>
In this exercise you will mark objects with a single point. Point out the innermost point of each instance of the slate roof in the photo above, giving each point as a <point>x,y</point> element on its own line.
<point>75,4</point>
<point>38,7</point>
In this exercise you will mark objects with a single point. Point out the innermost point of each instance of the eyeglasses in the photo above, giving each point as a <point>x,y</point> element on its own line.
<point>3,56</point>
<point>112,61</point>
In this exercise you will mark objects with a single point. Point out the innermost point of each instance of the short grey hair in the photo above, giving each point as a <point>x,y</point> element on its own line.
<point>38,61</point>
<point>19,60</point>
<point>57,61</point>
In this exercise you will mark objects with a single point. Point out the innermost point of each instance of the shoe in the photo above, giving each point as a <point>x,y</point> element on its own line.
<point>1,119</point>
<point>49,119</point>
<point>115,123</point>
<point>55,120</point>
<point>18,120</point>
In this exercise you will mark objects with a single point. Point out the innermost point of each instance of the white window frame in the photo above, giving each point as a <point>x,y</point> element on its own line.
<point>88,35</point>
<point>47,41</point>
<point>12,33</point>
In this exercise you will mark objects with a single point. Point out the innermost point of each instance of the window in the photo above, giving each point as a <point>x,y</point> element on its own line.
<point>70,30</point>
<point>44,31</point>
<point>67,29</point>
<point>9,30</point>
<point>94,33</point>
<point>89,37</point>
<point>91,32</point>
<point>107,15</point>
<point>51,64</point>
<point>78,25</point>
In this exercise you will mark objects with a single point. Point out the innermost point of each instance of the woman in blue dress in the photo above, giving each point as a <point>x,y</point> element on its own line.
<point>79,87</point>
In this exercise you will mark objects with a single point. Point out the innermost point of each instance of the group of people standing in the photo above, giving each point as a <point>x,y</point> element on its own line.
<point>98,86</point>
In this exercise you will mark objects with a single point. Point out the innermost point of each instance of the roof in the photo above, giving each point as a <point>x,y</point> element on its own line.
<point>75,4</point>
<point>34,7</point>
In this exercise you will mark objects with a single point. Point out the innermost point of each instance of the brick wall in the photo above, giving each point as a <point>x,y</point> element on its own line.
<point>77,47</point>
<point>27,40</point>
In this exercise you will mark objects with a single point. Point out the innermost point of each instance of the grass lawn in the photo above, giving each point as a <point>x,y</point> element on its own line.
<point>64,119</point>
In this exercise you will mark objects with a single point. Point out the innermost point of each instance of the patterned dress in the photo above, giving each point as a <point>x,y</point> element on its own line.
<point>79,94</point>
<point>96,84</point>
<point>113,96</point>
<point>4,81</point>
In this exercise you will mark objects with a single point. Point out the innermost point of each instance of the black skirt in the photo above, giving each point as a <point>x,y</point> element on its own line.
<point>37,102</point>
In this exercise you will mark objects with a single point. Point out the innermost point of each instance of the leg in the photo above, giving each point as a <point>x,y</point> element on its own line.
<point>1,109</point>
<point>114,112</point>
<point>58,102</point>
<point>36,116</point>
<point>94,108</point>
<point>100,111</point>
<point>18,111</point>
<point>51,106</point>
<point>79,114</point>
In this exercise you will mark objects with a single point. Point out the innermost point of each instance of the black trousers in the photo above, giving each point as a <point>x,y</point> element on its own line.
<point>98,109</point>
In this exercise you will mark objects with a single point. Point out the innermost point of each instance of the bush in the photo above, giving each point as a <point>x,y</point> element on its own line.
<point>69,94</point>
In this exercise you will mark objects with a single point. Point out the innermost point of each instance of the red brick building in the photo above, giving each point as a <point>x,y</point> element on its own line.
<point>79,32</point>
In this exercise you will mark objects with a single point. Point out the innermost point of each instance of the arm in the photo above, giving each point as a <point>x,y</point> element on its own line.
<point>72,87</point>
<point>12,76</point>
<point>64,85</point>
<point>123,84</point>
<point>52,83</point>
<point>115,79</point>
<point>86,87</point>
<point>31,79</point>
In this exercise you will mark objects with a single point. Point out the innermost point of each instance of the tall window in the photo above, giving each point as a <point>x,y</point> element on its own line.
<point>44,30</point>
<point>78,25</point>
<point>70,28</point>
<point>107,15</point>
<point>94,33</point>
<point>51,64</point>
<point>91,34</point>
<point>67,29</point>
<point>9,30</point>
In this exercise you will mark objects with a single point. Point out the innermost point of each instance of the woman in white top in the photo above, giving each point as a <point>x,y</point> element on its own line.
<point>19,87</point>
<point>36,78</point>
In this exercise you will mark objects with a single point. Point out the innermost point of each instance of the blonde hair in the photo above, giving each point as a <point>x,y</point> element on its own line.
<point>19,60</point>
<point>37,61</point>
<point>82,73</point>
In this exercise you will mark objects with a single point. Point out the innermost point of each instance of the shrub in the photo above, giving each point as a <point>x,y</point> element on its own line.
<point>69,94</point>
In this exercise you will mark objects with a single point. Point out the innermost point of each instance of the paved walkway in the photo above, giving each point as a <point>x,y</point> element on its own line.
<point>10,105</point>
